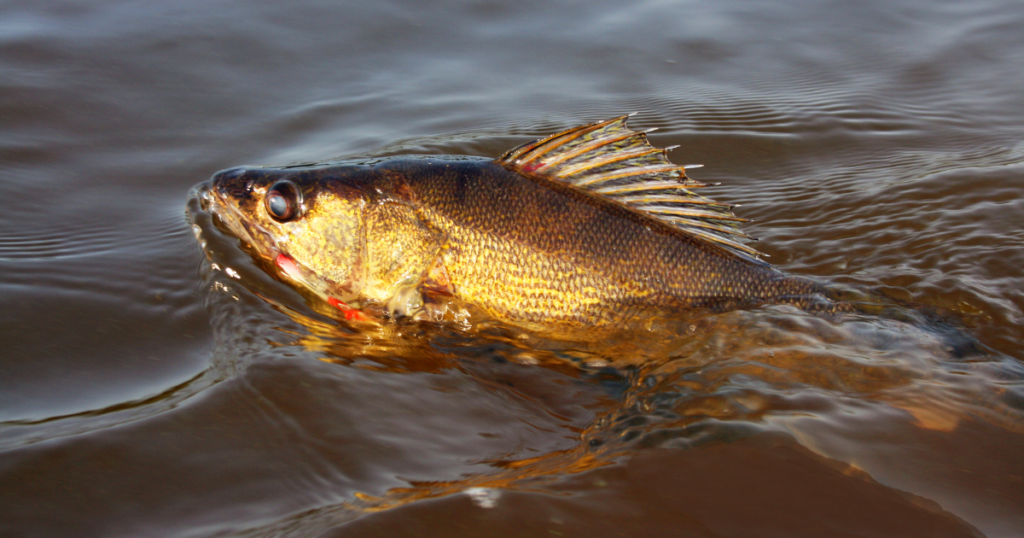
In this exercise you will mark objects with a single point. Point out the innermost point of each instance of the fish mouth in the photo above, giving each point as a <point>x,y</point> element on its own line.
<point>207,207</point>
<point>230,220</point>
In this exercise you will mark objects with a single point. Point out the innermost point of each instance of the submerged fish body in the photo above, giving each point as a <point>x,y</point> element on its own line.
<point>588,227</point>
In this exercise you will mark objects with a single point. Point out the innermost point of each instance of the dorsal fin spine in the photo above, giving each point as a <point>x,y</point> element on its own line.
<point>702,224</point>
<point>731,244</point>
<point>627,172</point>
<point>652,198</point>
<point>597,163</point>
<point>616,190</point>
<point>542,149</point>
<point>610,160</point>
<point>529,152</point>
<point>586,148</point>
<point>514,154</point>
<point>683,212</point>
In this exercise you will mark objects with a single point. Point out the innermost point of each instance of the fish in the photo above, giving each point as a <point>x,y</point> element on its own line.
<point>589,227</point>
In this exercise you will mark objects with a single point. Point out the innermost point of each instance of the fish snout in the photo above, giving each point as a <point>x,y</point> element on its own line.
<point>232,183</point>
<point>228,174</point>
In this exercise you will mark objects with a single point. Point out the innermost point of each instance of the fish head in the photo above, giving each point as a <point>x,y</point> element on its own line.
<point>309,222</point>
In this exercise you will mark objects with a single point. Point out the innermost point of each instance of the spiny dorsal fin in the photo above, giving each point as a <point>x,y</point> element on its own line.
<point>609,159</point>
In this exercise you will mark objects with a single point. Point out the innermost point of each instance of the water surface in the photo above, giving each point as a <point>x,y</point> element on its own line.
<point>145,390</point>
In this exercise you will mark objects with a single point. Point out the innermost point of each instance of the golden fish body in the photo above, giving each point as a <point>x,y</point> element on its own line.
<point>588,227</point>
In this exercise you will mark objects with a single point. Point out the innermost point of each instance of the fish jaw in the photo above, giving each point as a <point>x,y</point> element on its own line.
<point>258,240</point>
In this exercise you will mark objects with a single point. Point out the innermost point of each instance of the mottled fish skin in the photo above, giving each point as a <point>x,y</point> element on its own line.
<point>525,249</point>
<point>532,249</point>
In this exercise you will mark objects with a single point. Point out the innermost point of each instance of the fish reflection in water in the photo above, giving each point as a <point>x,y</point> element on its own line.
<point>586,254</point>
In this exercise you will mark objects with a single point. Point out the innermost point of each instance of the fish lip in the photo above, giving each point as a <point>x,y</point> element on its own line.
<point>233,219</point>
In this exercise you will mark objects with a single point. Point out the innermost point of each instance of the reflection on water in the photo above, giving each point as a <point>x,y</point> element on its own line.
<point>696,381</point>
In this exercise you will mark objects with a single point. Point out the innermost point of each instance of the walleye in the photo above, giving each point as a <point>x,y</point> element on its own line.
<point>591,226</point>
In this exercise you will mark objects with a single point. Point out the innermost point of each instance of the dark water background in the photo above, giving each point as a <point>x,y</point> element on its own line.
<point>143,392</point>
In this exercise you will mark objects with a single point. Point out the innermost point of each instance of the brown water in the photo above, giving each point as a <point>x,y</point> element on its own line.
<point>145,391</point>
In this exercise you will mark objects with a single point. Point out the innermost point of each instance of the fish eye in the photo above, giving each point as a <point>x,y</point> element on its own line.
<point>282,201</point>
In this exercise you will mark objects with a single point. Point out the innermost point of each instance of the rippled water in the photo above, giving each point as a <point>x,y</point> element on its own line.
<point>145,390</point>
